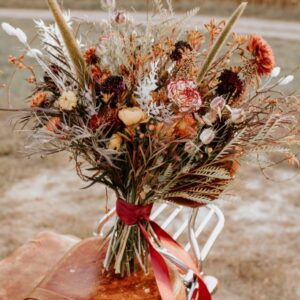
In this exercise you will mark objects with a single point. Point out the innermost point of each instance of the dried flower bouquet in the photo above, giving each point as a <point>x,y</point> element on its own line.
<point>156,112</point>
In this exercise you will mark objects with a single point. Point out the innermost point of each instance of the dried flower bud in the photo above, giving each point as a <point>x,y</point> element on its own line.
<point>217,105</point>
<point>189,147</point>
<point>10,30</point>
<point>132,116</point>
<point>238,115</point>
<point>67,101</point>
<point>210,118</point>
<point>33,53</point>
<point>120,18</point>
<point>275,72</point>
<point>207,136</point>
<point>115,142</point>
<point>287,80</point>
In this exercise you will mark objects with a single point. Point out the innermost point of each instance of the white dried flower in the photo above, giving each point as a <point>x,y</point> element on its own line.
<point>10,30</point>
<point>238,115</point>
<point>287,80</point>
<point>34,53</point>
<point>275,72</point>
<point>21,36</point>
<point>67,101</point>
<point>207,136</point>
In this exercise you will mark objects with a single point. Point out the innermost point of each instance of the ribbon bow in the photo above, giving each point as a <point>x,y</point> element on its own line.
<point>131,214</point>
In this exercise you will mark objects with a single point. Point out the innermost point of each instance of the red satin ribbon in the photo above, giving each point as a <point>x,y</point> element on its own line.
<point>131,214</point>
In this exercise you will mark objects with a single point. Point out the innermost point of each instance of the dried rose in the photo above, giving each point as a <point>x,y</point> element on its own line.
<point>207,136</point>
<point>67,101</point>
<point>115,142</point>
<point>238,115</point>
<point>132,116</point>
<point>184,95</point>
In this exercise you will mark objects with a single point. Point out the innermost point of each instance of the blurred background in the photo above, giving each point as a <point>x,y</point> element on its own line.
<point>256,257</point>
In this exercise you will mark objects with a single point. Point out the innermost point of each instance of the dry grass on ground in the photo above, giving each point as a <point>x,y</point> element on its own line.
<point>273,9</point>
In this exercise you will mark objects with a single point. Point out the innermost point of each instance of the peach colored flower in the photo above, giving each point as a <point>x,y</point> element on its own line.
<point>263,55</point>
<point>184,94</point>
<point>186,127</point>
<point>132,116</point>
<point>39,99</point>
<point>53,124</point>
<point>115,142</point>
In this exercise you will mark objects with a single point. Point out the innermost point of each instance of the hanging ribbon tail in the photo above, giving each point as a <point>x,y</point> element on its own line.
<point>174,248</point>
<point>160,269</point>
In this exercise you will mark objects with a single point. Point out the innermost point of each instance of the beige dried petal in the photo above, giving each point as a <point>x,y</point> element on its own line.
<point>132,116</point>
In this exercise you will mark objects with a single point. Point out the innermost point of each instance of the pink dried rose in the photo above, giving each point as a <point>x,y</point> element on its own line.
<point>184,94</point>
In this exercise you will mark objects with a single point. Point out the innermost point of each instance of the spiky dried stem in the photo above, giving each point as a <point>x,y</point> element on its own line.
<point>70,42</point>
<point>221,40</point>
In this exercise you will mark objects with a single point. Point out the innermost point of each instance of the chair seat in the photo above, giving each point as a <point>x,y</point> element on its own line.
<point>27,266</point>
<point>80,276</point>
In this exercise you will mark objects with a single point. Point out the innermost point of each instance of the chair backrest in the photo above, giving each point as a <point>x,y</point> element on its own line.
<point>197,229</point>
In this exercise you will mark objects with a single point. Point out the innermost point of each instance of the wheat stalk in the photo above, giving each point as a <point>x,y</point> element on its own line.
<point>70,42</point>
<point>221,40</point>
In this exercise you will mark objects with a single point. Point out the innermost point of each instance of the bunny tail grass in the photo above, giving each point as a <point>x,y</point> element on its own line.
<point>70,41</point>
<point>221,40</point>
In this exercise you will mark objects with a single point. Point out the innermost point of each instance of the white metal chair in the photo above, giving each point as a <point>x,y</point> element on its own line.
<point>191,226</point>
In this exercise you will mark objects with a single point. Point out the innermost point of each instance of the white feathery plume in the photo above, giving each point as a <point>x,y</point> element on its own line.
<point>10,30</point>
<point>286,80</point>
<point>275,72</point>
<point>34,52</point>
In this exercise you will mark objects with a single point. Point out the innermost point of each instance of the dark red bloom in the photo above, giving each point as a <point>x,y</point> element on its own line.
<point>107,117</point>
<point>90,56</point>
<point>230,84</point>
<point>180,48</point>
<point>113,85</point>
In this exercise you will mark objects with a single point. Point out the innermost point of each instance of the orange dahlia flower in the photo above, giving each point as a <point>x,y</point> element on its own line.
<point>186,127</point>
<point>263,55</point>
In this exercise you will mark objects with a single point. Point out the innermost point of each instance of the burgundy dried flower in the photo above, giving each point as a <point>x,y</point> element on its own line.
<point>263,55</point>
<point>180,48</point>
<point>108,117</point>
<point>113,85</point>
<point>90,56</point>
<point>230,84</point>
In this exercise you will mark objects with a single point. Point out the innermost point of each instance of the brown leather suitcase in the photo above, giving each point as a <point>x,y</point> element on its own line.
<point>80,276</point>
